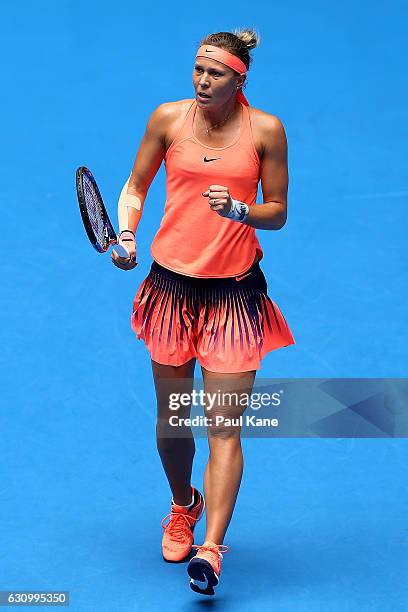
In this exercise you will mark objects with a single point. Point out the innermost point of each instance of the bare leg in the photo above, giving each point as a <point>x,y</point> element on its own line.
<point>176,453</point>
<point>224,469</point>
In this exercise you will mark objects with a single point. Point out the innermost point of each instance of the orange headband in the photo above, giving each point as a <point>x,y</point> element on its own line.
<point>228,59</point>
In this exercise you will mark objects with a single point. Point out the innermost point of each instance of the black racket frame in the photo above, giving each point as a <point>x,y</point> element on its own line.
<point>109,233</point>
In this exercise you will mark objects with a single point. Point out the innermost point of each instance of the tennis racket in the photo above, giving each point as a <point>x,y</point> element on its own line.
<point>94,215</point>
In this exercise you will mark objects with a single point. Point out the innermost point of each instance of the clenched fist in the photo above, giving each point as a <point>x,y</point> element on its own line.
<point>219,199</point>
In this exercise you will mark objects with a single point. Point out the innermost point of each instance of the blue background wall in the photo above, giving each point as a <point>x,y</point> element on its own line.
<point>319,524</point>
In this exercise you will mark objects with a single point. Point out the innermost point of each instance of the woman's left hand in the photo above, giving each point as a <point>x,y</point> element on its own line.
<point>219,199</point>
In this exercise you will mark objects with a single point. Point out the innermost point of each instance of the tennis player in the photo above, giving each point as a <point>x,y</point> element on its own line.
<point>205,297</point>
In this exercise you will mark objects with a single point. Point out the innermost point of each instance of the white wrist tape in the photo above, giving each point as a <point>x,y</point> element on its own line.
<point>239,211</point>
<point>126,200</point>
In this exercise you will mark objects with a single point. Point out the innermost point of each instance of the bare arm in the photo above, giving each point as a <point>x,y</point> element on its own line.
<point>148,161</point>
<point>272,213</point>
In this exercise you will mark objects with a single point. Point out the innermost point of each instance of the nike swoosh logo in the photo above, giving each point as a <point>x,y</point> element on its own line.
<point>202,584</point>
<point>209,51</point>
<point>238,278</point>
<point>212,159</point>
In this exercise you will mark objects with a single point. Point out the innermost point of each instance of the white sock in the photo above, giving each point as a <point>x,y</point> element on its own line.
<point>189,505</point>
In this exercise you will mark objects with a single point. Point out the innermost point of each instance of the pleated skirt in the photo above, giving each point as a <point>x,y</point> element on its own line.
<point>227,324</point>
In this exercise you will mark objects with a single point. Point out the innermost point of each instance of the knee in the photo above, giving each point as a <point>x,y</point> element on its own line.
<point>168,440</point>
<point>221,432</point>
<point>225,424</point>
<point>224,445</point>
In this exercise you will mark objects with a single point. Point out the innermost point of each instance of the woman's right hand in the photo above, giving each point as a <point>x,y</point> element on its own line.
<point>127,240</point>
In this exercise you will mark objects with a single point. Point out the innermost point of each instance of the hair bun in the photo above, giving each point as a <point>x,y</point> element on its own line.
<point>249,37</point>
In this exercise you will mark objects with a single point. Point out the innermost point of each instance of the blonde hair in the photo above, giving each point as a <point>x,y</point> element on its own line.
<point>249,37</point>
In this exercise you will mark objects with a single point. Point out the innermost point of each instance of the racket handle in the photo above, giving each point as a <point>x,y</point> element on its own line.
<point>121,251</point>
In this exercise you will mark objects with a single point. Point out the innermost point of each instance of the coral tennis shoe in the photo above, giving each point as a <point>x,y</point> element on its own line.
<point>178,536</point>
<point>204,569</point>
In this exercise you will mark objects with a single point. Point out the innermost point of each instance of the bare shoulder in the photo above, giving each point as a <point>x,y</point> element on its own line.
<point>168,118</point>
<point>267,129</point>
<point>266,121</point>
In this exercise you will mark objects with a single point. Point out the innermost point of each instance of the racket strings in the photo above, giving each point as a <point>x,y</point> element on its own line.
<point>95,212</point>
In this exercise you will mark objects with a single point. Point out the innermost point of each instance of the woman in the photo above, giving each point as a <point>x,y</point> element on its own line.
<point>205,297</point>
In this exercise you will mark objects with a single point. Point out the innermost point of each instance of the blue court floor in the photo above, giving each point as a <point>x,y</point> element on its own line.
<point>320,524</point>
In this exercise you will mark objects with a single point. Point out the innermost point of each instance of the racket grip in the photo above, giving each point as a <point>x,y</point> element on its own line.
<point>121,251</point>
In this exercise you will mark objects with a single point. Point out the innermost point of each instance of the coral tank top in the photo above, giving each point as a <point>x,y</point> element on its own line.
<point>193,239</point>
